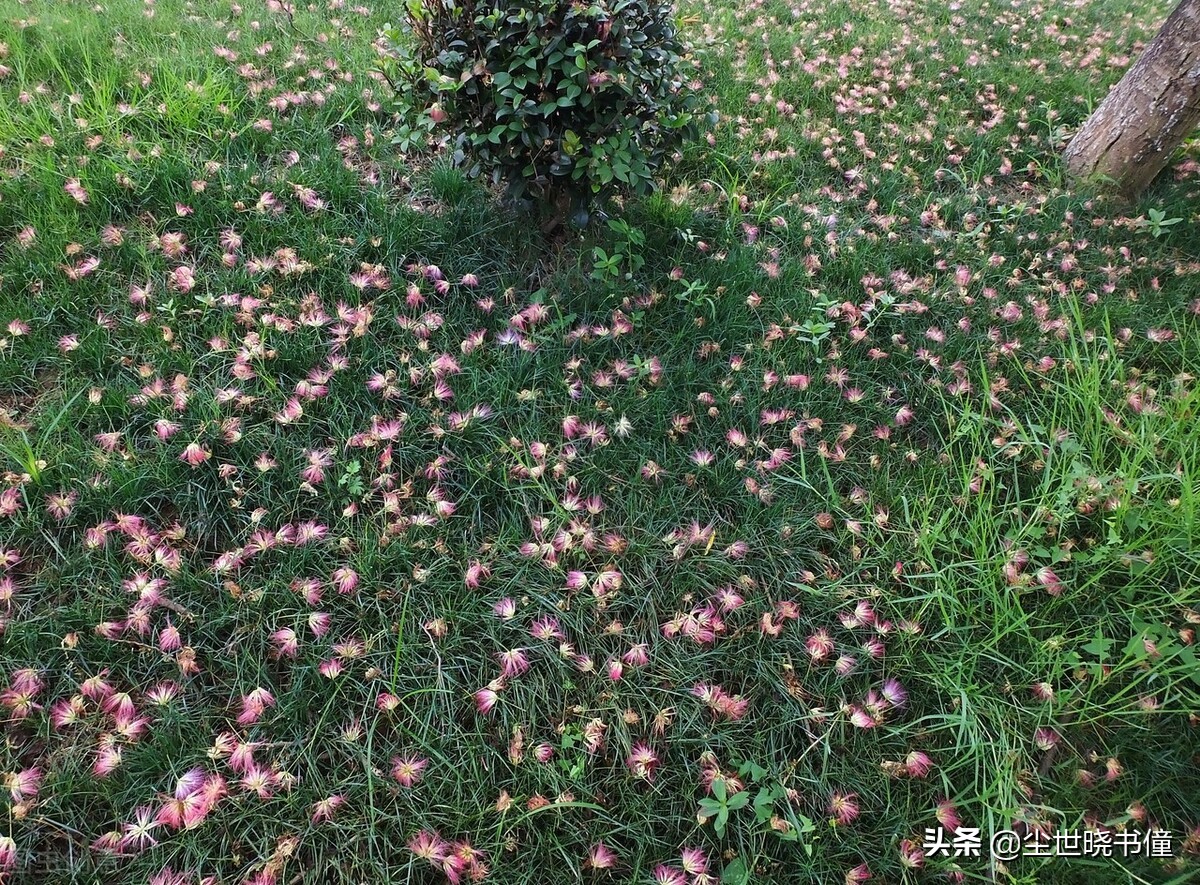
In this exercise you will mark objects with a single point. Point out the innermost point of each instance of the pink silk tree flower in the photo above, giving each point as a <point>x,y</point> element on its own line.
<point>195,454</point>
<point>600,857</point>
<point>407,770</point>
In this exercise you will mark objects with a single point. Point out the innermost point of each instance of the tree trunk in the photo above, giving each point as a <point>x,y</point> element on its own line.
<point>1137,127</point>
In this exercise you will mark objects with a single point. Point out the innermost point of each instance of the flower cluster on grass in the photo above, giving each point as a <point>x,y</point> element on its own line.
<point>345,537</point>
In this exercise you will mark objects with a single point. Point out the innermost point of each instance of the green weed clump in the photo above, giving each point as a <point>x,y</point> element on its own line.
<point>563,102</point>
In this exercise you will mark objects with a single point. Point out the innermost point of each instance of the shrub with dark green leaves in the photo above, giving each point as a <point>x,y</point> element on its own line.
<point>563,101</point>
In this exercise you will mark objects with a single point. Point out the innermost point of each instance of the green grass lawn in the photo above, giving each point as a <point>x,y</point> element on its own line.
<point>351,534</point>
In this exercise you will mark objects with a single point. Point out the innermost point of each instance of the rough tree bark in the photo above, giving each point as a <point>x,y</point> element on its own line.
<point>1137,127</point>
